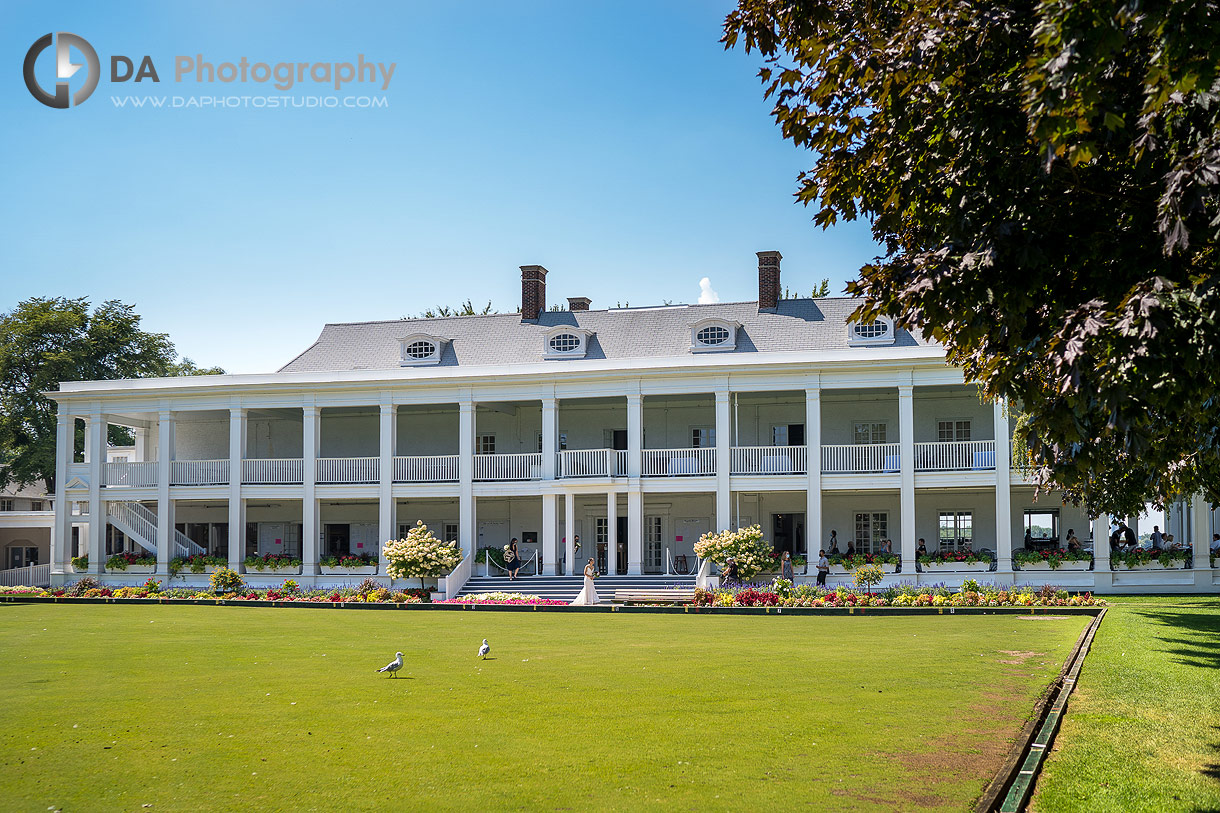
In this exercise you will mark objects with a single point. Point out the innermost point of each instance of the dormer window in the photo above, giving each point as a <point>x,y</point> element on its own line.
<point>863,334</point>
<point>420,350</point>
<point>566,342</point>
<point>711,335</point>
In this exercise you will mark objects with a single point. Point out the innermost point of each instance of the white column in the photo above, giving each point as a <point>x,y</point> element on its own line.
<point>61,536</point>
<point>550,534</point>
<point>310,526</point>
<point>467,533</point>
<point>165,506</point>
<point>569,532</point>
<point>95,448</point>
<point>141,444</point>
<point>237,506</point>
<point>550,437</point>
<point>1101,544</point>
<point>635,434</point>
<point>1003,490</point>
<point>635,532</point>
<point>906,441</point>
<point>724,449</point>
<point>388,444</point>
<point>813,488</point>
<point>611,532</point>
<point>1201,538</point>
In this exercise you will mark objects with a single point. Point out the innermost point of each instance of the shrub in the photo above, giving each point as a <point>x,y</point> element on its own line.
<point>152,586</point>
<point>83,586</point>
<point>80,562</point>
<point>420,555</point>
<point>122,561</point>
<point>224,580</point>
<point>290,588</point>
<point>868,575</point>
<point>367,586</point>
<point>745,545</point>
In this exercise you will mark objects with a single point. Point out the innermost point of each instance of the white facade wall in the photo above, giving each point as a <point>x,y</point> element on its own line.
<point>428,431</point>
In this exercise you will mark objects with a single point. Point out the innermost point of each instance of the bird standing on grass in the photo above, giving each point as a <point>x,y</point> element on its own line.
<point>393,666</point>
<point>484,649</point>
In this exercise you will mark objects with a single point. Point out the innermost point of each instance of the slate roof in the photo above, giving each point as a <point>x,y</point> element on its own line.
<point>621,333</point>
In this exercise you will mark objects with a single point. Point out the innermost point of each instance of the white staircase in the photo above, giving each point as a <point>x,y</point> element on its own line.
<point>140,525</point>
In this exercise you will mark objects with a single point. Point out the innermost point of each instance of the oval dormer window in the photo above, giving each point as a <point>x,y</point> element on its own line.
<point>712,335</point>
<point>564,343</point>
<point>420,349</point>
<point>872,330</point>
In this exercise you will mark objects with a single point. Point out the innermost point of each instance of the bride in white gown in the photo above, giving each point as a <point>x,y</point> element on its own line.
<point>589,594</point>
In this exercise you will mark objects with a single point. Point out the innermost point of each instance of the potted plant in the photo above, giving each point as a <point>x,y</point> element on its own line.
<point>80,564</point>
<point>1151,559</point>
<point>888,562</point>
<point>131,563</point>
<point>274,562</point>
<point>1054,559</point>
<point>420,555</point>
<point>349,564</point>
<point>954,561</point>
<point>196,563</point>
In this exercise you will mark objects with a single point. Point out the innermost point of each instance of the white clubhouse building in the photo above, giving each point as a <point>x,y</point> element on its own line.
<point>636,429</point>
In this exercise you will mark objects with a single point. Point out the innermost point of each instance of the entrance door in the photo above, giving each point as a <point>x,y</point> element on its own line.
<point>788,533</point>
<point>271,538</point>
<point>21,556</point>
<point>687,531</point>
<point>622,545</point>
<point>338,538</point>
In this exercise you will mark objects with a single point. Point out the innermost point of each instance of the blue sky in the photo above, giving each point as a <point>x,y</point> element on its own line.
<point>617,144</point>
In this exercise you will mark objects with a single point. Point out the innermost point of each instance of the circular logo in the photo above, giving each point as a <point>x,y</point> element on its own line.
<point>64,69</point>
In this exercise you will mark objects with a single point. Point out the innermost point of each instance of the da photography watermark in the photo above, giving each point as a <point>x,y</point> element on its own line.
<point>240,83</point>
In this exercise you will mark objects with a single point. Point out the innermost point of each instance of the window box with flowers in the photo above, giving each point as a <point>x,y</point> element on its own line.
<point>842,565</point>
<point>278,563</point>
<point>1151,559</point>
<point>1041,561</point>
<point>955,561</point>
<point>349,564</point>
<point>131,563</point>
<point>196,563</point>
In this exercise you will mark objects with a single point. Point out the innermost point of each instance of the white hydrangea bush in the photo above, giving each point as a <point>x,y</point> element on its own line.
<point>420,555</point>
<point>752,553</point>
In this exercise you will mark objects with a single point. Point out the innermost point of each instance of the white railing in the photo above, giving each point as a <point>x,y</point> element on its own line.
<point>867,458</point>
<point>199,472</point>
<point>348,469</point>
<point>508,466</point>
<point>769,460</point>
<point>272,471</point>
<point>671,565</point>
<point>452,584</point>
<point>488,564</point>
<point>679,462</point>
<point>592,463</point>
<point>131,475</point>
<point>28,576</point>
<point>961,455</point>
<point>426,469</point>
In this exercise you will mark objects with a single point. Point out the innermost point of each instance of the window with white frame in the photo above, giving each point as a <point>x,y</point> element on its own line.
<point>561,446</point>
<point>420,350</point>
<point>35,505</point>
<point>652,544</point>
<point>956,530</point>
<point>951,431</point>
<point>703,437</point>
<point>868,432</point>
<point>449,532</point>
<point>1042,524</point>
<point>485,444</point>
<point>713,334</point>
<point>566,342</point>
<point>6,505</point>
<point>601,533</point>
<point>789,434</point>
<point>878,331</point>
<point>872,528</point>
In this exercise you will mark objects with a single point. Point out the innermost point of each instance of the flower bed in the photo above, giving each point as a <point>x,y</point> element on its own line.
<point>275,562</point>
<point>1054,559</point>
<point>784,594</point>
<point>1150,559</point>
<point>505,598</point>
<point>369,593</point>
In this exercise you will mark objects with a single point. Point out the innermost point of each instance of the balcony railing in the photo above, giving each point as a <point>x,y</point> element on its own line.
<point>679,462</point>
<point>199,472</point>
<point>426,469</point>
<point>332,470</point>
<point>130,475</point>
<point>870,458</point>
<point>508,466</point>
<point>273,471</point>
<point>770,460</point>
<point>591,463</point>
<point>962,455</point>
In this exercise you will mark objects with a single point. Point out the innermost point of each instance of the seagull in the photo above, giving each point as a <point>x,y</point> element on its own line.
<point>484,649</point>
<point>393,666</point>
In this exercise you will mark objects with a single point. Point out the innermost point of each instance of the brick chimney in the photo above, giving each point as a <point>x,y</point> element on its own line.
<point>579,303</point>
<point>533,291</point>
<point>768,280</point>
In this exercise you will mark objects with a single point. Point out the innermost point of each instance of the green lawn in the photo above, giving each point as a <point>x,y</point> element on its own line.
<point>1142,730</point>
<point>187,708</point>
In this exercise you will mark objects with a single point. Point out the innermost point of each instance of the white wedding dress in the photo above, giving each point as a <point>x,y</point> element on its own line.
<point>588,595</point>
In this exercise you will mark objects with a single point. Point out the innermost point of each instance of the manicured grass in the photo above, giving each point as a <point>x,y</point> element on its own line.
<point>189,708</point>
<point>1142,731</point>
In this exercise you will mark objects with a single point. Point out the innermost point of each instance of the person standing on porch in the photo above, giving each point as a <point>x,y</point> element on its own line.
<point>1156,540</point>
<point>823,568</point>
<point>512,559</point>
<point>588,594</point>
<point>785,566</point>
<point>833,546</point>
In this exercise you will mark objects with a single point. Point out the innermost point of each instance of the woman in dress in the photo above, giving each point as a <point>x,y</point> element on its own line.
<point>588,595</point>
<point>785,566</point>
<point>512,559</point>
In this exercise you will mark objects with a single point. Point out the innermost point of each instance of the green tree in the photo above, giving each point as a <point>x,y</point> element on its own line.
<point>820,292</point>
<point>1044,178</point>
<point>467,308</point>
<point>45,341</point>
